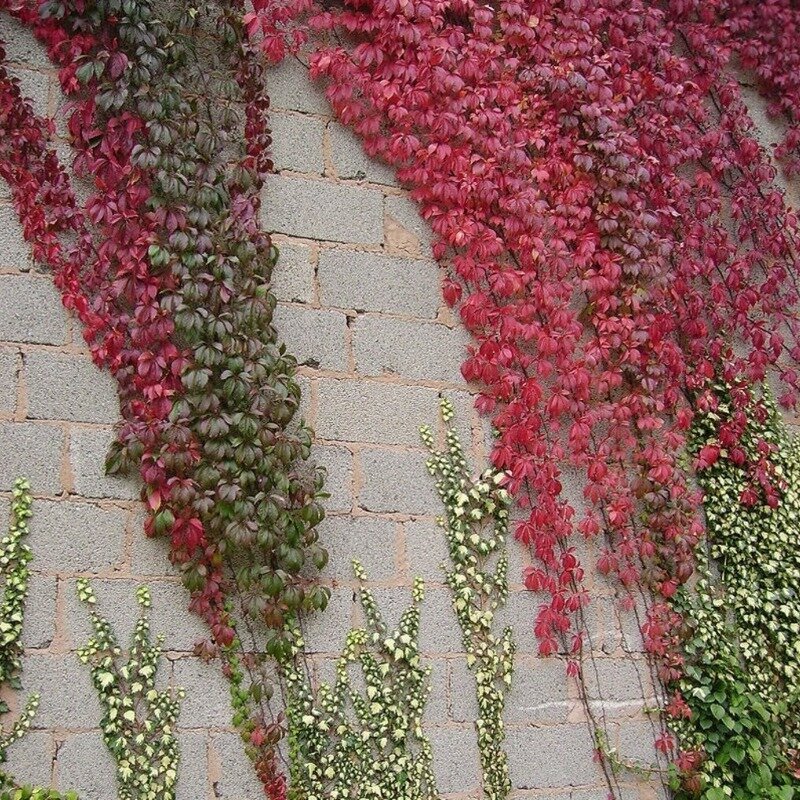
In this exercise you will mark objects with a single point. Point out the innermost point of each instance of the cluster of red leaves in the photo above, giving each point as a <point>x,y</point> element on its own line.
<point>766,37</point>
<point>107,280</point>
<point>274,25</point>
<point>609,227</point>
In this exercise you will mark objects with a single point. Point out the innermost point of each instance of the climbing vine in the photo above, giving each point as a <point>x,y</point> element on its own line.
<point>346,741</point>
<point>15,554</point>
<point>476,525</point>
<point>138,720</point>
<point>740,695</point>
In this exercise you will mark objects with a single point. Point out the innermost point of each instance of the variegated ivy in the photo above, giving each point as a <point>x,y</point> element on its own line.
<point>345,743</point>
<point>14,574</point>
<point>738,711</point>
<point>476,527</point>
<point>138,720</point>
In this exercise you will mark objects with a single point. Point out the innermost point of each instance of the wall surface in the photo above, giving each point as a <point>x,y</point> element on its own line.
<point>360,307</point>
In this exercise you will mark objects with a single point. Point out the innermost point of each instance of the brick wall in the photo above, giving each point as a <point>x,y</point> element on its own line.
<point>360,307</point>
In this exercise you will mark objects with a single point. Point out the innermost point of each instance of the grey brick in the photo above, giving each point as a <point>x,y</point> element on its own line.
<point>238,780</point>
<point>87,454</point>
<point>30,759</point>
<point>374,282</point>
<point>35,88</point>
<point>192,767</point>
<point>439,632</point>
<point>350,160</point>
<point>338,462</point>
<point>116,599</point>
<point>538,691</point>
<point>15,252</point>
<point>326,632</point>
<point>39,627</point>
<point>637,741</point>
<point>463,702</point>
<point>150,555</point>
<point>314,337</point>
<point>520,612</point>
<point>455,760</point>
<point>618,681</point>
<point>589,794</point>
<point>291,88</point>
<point>436,704</point>
<point>397,481</point>
<point>9,366</point>
<point>21,45</point>
<point>405,213</point>
<point>85,766</point>
<point>60,707</point>
<point>304,409</point>
<point>370,540</point>
<point>322,210</point>
<point>69,387</point>
<point>33,451</point>
<point>426,550</point>
<point>420,351</point>
<point>297,142</point>
<point>569,757</point>
<point>352,411</point>
<point>71,536</point>
<point>293,275</point>
<point>208,701</point>
<point>30,309</point>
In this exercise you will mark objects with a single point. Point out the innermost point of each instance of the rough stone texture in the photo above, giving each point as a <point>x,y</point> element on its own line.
<point>350,160</point>
<point>65,536</point>
<point>375,282</point>
<point>369,539</point>
<point>65,387</point>
<point>321,210</point>
<point>380,413</point>
<point>360,306</point>
<point>33,451</point>
<point>414,350</point>
<point>30,310</point>
<point>294,279</point>
<point>396,482</point>
<point>318,337</point>
<point>87,454</point>
<point>9,366</point>
<point>297,142</point>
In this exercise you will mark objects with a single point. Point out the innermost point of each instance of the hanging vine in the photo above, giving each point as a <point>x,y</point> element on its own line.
<point>170,277</point>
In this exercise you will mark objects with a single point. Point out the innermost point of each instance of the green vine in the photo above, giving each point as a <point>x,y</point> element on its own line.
<point>14,574</point>
<point>349,743</point>
<point>476,526</point>
<point>741,685</point>
<point>138,720</point>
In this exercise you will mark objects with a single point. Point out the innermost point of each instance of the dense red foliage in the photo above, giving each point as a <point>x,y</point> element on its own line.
<point>608,222</point>
<point>766,37</point>
<point>610,227</point>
